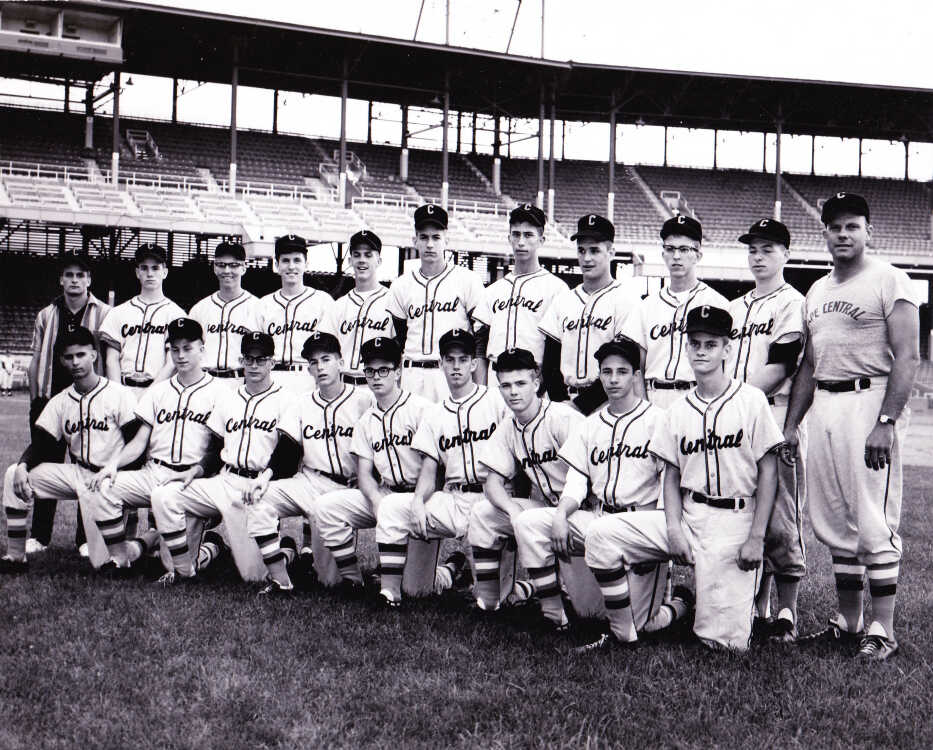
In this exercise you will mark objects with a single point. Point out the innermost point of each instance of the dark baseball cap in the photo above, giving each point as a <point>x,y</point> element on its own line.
<point>365,237</point>
<point>528,212</point>
<point>75,259</point>
<point>457,339</point>
<point>150,250</point>
<point>594,227</point>
<point>290,243</point>
<point>430,213</point>
<point>685,226</point>
<point>320,342</point>
<point>709,319</point>
<point>515,359</point>
<point>622,346</point>
<point>257,340</point>
<point>231,249</point>
<point>844,203</point>
<point>185,328</point>
<point>80,336</point>
<point>767,229</point>
<point>382,348</point>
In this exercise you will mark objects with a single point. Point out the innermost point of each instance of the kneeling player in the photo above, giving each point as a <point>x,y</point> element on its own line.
<point>719,445</point>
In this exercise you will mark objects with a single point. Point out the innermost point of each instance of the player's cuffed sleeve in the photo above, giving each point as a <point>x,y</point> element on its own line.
<point>109,331</point>
<point>633,327</point>
<point>550,323</point>
<point>50,419</point>
<point>574,449</point>
<point>145,408</point>
<point>362,443</point>
<point>474,297</point>
<point>395,304</point>
<point>896,285</point>
<point>126,409</point>
<point>496,455</point>
<point>290,423</point>
<point>210,462</point>
<point>482,313</point>
<point>788,323</point>
<point>576,486</point>
<point>664,441</point>
<point>215,422</point>
<point>425,439</point>
<point>766,433</point>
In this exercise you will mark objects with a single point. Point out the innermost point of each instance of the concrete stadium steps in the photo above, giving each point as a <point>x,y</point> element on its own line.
<point>164,203</point>
<point>34,192</point>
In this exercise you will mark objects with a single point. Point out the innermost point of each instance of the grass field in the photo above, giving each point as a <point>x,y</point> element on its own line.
<point>87,662</point>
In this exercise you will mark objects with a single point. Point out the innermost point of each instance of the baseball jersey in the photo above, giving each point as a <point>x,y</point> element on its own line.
<point>847,321</point>
<point>657,325</point>
<point>513,307</point>
<point>291,320</point>
<point>90,422</point>
<point>533,448</point>
<point>178,416</point>
<point>758,322</point>
<point>613,452</point>
<point>224,324</point>
<point>248,424</point>
<point>137,330</point>
<point>433,306</point>
<point>385,438</point>
<point>324,429</point>
<point>453,433</point>
<point>583,322</point>
<point>717,444</point>
<point>356,318</point>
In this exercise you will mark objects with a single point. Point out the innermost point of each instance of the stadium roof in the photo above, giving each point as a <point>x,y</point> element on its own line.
<point>174,42</point>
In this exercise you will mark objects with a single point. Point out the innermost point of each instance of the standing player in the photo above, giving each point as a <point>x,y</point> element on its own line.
<point>292,313</point>
<point>93,417</point>
<point>767,338</point>
<point>360,314</point>
<point>657,323</point>
<point>227,314</point>
<point>581,319</point>
<point>861,358</point>
<point>429,301</point>
<point>451,436</point>
<point>514,305</point>
<point>134,333</point>
<point>527,442</point>
<point>718,443</point>
<point>6,375</point>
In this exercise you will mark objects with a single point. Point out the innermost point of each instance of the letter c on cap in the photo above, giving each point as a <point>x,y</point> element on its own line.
<point>704,311</point>
<point>840,195</point>
<point>592,219</point>
<point>430,209</point>
<point>526,206</point>
<point>763,223</point>
<point>681,219</point>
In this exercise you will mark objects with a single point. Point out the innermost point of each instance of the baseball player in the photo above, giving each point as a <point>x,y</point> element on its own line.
<point>857,372</point>
<point>527,442</point>
<point>227,314</point>
<point>451,436</point>
<point>6,375</point>
<point>246,421</point>
<point>360,314</point>
<point>93,417</point>
<point>321,425</point>
<point>514,305</point>
<point>718,443</point>
<point>382,440</point>
<point>134,333</point>
<point>173,434</point>
<point>292,313</point>
<point>429,301</point>
<point>581,319</point>
<point>767,339</point>
<point>657,323</point>
<point>610,471</point>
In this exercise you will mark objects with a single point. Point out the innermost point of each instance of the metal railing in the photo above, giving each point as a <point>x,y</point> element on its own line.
<point>43,171</point>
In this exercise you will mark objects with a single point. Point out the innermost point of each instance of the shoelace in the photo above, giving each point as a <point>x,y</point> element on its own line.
<point>871,645</point>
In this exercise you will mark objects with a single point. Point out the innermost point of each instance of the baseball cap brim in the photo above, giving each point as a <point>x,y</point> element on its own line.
<point>598,236</point>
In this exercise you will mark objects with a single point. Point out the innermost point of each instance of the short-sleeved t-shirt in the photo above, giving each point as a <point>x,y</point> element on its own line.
<point>248,424</point>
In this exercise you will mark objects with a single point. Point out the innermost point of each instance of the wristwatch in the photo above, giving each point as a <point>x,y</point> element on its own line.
<point>885,419</point>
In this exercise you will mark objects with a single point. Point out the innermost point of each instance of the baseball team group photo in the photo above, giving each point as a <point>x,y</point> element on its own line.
<point>456,447</point>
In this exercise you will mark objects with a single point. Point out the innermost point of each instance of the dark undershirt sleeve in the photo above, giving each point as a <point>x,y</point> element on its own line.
<point>552,380</point>
<point>286,458</point>
<point>43,449</point>
<point>591,398</point>
<point>401,331</point>
<point>211,462</point>
<point>482,340</point>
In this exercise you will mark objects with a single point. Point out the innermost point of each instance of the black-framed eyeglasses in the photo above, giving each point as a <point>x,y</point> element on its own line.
<point>681,249</point>
<point>382,372</point>
<point>248,360</point>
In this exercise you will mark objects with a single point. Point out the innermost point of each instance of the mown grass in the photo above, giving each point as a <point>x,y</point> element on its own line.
<point>87,662</point>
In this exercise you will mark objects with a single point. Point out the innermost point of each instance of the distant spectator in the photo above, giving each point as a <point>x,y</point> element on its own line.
<point>6,375</point>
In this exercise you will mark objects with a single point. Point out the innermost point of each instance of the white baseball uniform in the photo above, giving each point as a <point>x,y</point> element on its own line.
<point>224,325</point>
<point>290,321</point>
<point>513,308</point>
<point>6,372</point>
<point>354,319</point>
<point>432,306</point>
<point>657,324</point>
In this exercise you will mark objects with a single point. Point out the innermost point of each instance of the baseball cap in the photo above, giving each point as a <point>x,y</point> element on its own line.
<point>457,339</point>
<point>624,347</point>
<point>844,203</point>
<point>365,237</point>
<point>767,229</point>
<point>594,227</point>
<point>515,359</point>
<point>150,250</point>
<point>685,226</point>
<point>232,249</point>
<point>382,348</point>
<point>320,342</point>
<point>185,328</point>
<point>74,259</point>
<point>430,213</point>
<point>709,319</point>
<point>80,336</point>
<point>257,341</point>
<point>289,243</point>
<point>527,212</point>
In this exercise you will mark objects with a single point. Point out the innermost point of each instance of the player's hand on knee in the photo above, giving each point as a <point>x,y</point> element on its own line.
<point>750,553</point>
<point>21,487</point>
<point>106,474</point>
<point>419,517</point>
<point>560,536</point>
<point>789,449</point>
<point>680,549</point>
<point>185,477</point>
<point>878,446</point>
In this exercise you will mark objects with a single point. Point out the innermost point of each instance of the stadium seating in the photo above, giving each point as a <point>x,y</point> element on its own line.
<point>40,193</point>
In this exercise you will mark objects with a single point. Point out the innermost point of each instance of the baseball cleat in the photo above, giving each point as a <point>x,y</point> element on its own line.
<point>605,642</point>
<point>463,575</point>
<point>387,600</point>
<point>34,546</point>
<point>761,629</point>
<point>11,566</point>
<point>783,628</point>
<point>83,551</point>
<point>875,645</point>
<point>275,590</point>
<point>173,578</point>
<point>835,633</point>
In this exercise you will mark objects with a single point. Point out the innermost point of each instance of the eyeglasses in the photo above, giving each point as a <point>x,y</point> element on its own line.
<point>680,249</point>
<point>382,372</point>
<point>247,360</point>
<point>221,266</point>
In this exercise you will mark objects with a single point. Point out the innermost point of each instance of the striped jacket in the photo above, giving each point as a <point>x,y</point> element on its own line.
<point>45,332</point>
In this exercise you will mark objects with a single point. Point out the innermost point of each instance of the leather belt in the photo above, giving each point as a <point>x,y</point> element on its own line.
<point>136,382</point>
<point>670,385</point>
<point>248,473</point>
<point>83,464</point>
<point>575,390</point>
<point>726,503</point>
<point>771,400</point>
<point>426,364</point>
<point>173,467</point>
<point>844,386</point>
<point>624,509</point>
<point>354,379</point>
<point>466,487</point>
<point>282,367</point>
<point>402,487</point>
<point>235,373</point>
<point>338,478</point>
